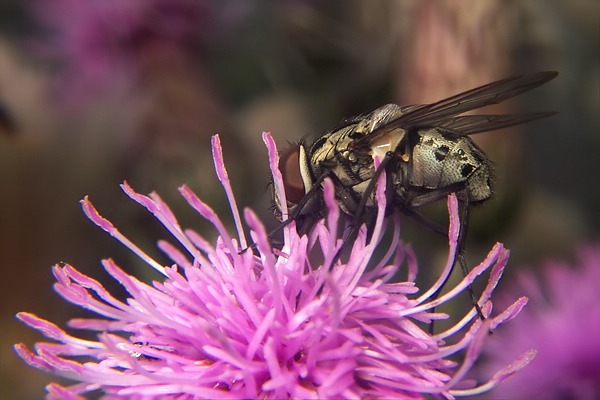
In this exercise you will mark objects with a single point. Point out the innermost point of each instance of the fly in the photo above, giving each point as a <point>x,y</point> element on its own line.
<point>424,149</point>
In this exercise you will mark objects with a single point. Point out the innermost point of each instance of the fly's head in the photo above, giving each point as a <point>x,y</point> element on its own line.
<point>294,164</point>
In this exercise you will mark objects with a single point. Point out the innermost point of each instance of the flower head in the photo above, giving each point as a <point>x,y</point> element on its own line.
<point>275,324</point>
<point>563,323</point>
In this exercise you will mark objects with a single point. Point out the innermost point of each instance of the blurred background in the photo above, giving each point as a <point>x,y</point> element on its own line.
<point>96,92</point>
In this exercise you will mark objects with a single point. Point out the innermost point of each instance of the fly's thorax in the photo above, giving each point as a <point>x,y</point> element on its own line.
<point>342,140</point>
<point>381,116</point>
<point>348,162</point>
<point>334,154</point>
<point>330,146</point>
<point>387,142</point>
<point>441,158</point>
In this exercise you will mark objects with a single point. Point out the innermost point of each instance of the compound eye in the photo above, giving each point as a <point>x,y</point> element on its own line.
<point>289,165</point>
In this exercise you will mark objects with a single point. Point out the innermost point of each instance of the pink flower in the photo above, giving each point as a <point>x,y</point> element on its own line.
<point>563,323</point>
<point>273,325</point>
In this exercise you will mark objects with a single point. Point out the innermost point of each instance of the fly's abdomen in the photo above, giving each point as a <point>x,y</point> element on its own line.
<point>466,163</point>
<point>441,158</point>
<point>428,159</point>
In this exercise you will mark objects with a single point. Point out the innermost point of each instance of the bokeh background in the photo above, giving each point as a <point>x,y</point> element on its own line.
<point>96,92</point>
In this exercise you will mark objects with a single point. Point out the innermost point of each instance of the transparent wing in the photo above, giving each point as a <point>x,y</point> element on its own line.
<point>445,112</point>
<point>470,124</point>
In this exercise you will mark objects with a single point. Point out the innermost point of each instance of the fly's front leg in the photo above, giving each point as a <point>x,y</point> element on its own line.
<point>360,209</point>
<point>312,193</point>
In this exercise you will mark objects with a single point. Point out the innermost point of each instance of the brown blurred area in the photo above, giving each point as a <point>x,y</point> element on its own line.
<point>292,68</point>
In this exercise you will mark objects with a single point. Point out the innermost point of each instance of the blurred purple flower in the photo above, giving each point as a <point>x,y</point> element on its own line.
<point>100,45</point>
<point>563,323</point>
<point>273,325</point>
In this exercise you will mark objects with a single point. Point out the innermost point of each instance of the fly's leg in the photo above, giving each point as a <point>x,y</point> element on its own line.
<point>460,253</point>
<point>360,209</point>
<point>464,209</point>
<point>295,213</point>
<point>459,257</point>
<point>464,212</point>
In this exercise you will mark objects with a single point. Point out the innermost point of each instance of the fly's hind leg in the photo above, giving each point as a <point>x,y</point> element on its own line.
<point>464,213</point>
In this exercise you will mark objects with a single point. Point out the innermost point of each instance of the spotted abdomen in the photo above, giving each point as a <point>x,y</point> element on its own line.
<point>443,158</point>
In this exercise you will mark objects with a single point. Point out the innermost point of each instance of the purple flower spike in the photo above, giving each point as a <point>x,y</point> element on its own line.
<point>275,324</point>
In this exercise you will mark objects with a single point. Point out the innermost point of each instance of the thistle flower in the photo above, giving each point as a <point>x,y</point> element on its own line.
<point>226,324</point>
<point>563,323</point>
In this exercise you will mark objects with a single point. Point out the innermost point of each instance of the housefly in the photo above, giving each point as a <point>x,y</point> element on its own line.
<point>425,150</point>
